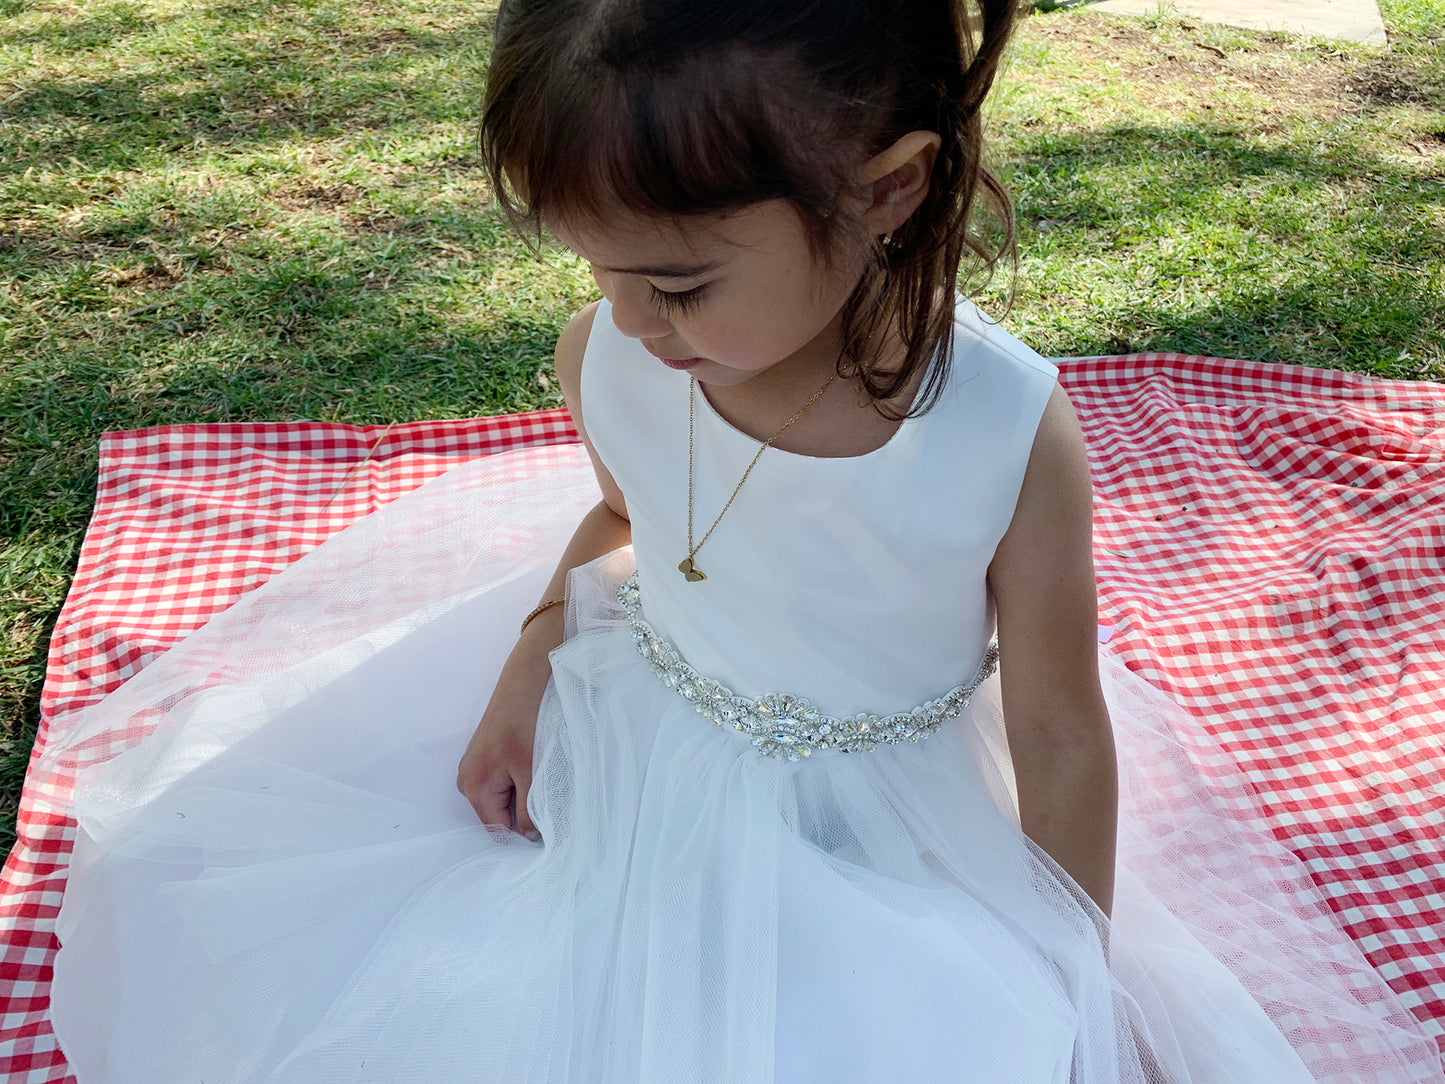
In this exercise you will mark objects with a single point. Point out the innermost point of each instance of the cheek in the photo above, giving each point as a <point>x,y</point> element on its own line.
<point>758,338</point>
<point>801,306</point>
<point>731,338</point>
<point>778,312</point>
<point>729,341</point>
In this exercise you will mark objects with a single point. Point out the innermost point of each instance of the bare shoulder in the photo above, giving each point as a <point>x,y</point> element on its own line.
<point>571,347</point>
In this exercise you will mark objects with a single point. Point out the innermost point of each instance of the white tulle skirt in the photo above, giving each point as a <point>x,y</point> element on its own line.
<point>276,879</point>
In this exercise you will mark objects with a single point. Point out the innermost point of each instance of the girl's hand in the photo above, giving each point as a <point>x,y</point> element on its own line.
<point>495,773</point>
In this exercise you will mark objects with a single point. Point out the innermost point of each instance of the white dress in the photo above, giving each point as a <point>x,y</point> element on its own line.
<point>276,879</point>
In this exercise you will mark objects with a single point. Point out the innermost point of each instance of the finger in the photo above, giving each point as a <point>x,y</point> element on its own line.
<point>492,798</point>
<point>522,779</point>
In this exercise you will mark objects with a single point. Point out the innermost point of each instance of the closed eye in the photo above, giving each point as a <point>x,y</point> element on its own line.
<point>679,303</point>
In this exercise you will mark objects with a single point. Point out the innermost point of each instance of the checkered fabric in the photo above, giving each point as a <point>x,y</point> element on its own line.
<point>1268,539</point>
<point>187,519</point>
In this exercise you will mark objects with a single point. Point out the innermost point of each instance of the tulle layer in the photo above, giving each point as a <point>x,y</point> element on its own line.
<point>289,888</point>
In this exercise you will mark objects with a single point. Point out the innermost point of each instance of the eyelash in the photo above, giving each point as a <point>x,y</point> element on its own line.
<point>677,304</point>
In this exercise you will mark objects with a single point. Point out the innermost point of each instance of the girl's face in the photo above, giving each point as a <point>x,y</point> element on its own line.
<point>724,297</point>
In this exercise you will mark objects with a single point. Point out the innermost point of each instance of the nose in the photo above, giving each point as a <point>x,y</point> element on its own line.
<point>633,312</point>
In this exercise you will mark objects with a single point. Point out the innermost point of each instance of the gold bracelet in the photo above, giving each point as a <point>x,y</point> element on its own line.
<point>545,606</point>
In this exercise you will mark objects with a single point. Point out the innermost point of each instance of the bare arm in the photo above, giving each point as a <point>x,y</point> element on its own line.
<point>495,772</point>
<point>1059,735</point>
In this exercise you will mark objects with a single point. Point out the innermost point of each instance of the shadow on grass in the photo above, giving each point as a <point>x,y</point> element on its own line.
<point>106,24</point>
<point>371,331</point>
<point>1177,170</point>
<point>245,82</point>
<point>1242,247</point>
<point>27,677</point>
<point>1401,78</point>
<point>375,337</point>
<point>325,346</point>
<point>1290,327</point>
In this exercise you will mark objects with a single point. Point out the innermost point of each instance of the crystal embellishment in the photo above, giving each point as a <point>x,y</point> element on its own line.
<point>780,725</point>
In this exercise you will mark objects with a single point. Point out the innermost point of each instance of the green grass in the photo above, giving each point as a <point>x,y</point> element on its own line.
<point>1208,190</point>
<point>226,211</point>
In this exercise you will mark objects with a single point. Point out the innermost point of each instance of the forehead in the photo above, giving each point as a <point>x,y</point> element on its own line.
<point>626,240</point>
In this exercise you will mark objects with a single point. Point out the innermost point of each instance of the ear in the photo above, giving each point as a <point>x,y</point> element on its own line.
<point>899,179</point>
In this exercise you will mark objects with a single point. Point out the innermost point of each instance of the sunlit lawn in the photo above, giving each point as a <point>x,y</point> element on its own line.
<point>245,211</point>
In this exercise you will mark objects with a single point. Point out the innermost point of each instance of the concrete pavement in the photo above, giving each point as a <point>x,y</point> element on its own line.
<point>1346,20</point>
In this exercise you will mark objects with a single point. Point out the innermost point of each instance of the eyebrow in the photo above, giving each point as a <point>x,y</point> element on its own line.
<point>667,271</point>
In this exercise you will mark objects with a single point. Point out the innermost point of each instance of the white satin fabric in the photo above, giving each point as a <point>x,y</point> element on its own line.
<point>816,558</point>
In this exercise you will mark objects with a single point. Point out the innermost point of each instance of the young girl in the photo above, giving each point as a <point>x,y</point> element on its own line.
<point>747,801</point>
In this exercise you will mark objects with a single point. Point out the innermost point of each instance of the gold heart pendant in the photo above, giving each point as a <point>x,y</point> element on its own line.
<point>689,573</point>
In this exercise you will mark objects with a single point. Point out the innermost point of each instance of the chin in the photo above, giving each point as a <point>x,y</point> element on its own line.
<point>727,378</point>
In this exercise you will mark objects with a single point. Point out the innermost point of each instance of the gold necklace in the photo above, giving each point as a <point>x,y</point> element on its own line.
<point>689,570</point>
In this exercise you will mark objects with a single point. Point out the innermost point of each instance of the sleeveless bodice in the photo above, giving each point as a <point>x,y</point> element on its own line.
<point>858,582</point>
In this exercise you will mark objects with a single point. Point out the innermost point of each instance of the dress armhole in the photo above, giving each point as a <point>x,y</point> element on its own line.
<point>601,401</point>
<point>594,359</point>
<point>1021,384</point>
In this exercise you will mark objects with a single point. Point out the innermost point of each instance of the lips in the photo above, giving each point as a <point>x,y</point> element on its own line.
<point>682,363</point>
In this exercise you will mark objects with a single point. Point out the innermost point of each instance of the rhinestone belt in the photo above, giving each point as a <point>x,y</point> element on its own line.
<point>788,726</point>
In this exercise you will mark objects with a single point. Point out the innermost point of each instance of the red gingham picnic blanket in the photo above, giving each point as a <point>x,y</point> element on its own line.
<point>1268,541</point>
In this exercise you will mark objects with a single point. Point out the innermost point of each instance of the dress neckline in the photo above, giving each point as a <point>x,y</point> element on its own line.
<point>899,436</point>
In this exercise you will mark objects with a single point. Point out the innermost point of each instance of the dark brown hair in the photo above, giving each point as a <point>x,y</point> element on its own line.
<point>695,107</point>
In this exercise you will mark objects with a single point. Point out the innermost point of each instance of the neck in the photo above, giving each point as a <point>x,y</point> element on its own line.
<point>782,387</point>
<point>799,373</point>
<point>844,421</point>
